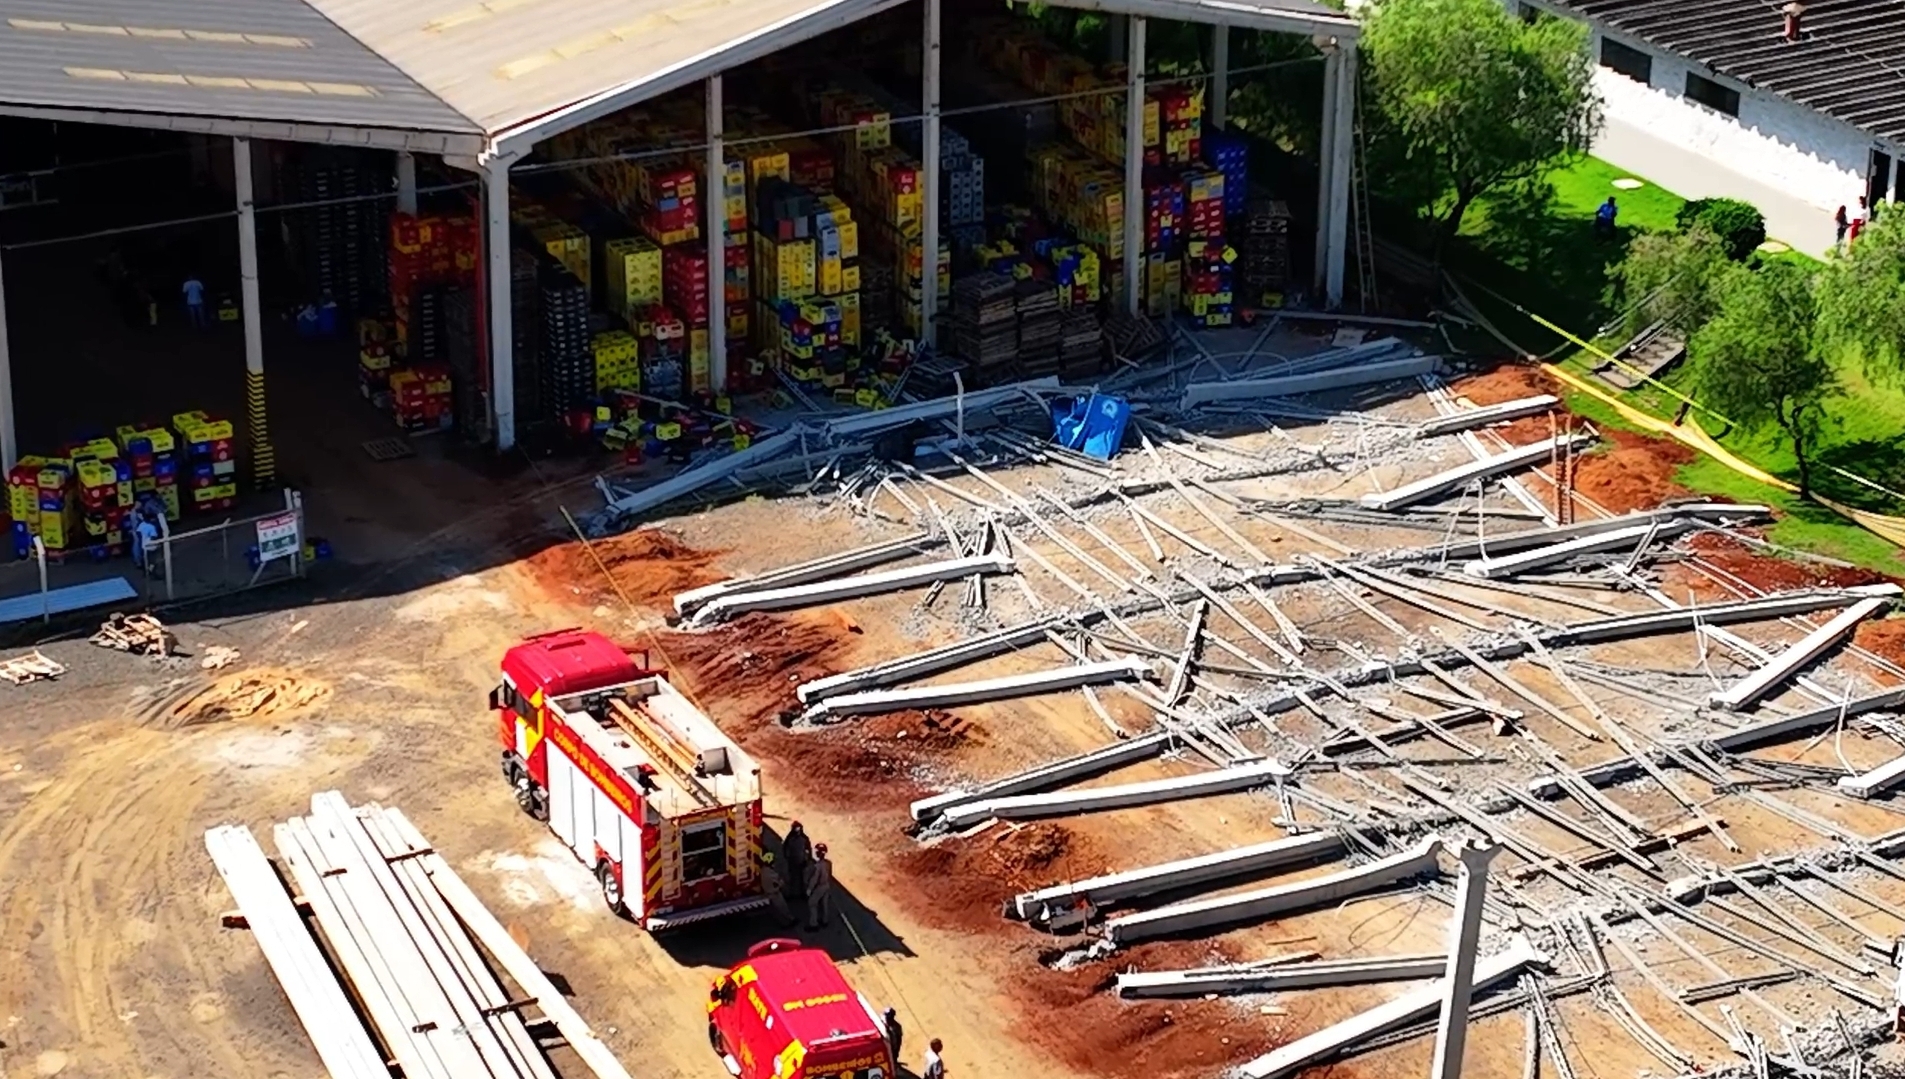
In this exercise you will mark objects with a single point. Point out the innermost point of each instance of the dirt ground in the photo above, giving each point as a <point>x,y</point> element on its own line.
<point>108,777</point>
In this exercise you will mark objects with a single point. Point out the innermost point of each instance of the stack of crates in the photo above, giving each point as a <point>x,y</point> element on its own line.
<point>525,306</point>
<point>209,469</point>
<point>341,240</point>
<point>1082,194</point>
<point>670,206</point>
<point>427,254</point>
<point>617,361</point>
<point>1164,216</point>
<point>151,452</point>
<point>374,362</point>
<point>39,502</point>
<point>568,245</point>
<point>634,275</point>
<point>1208,283</point>
<point>1205,199</point>
<point>421,398</point>
<point>567,364</point>
<point>662,340</point>
<point>1162,287</point>
<point>104,484</point>
<point>810,341</point>
<point>1228,154</point>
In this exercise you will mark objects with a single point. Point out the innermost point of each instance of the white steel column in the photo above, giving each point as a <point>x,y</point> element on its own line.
<point>1465,933</point>
<point>717,244</point>
<point>9,438</point>
<point>406,182</point>
<point>1325,162</point>
<point>264,465</point>
<point>502,334</point>
<point>1220,76</point>
<point>1134,166</point>
<point>929,175</point>
<point>1342,173</point>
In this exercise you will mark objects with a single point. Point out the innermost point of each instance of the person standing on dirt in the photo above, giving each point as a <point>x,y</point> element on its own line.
<point>935,1064</point>
<point>819,888</point>
<point>776,888</point>
<point>894,1033</point>
<point>799,852</point>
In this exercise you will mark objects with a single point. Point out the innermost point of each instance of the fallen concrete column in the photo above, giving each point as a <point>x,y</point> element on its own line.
<point>908,668</point>
<point>693,479</point>
<point>1749,690</point>
<point>1060,803</point>
<point>1203,393</point>
<point>1456,478</point>
<point>1482,417</point>
<point>954,694</point>
<point>1773,730</point>
<point>1263,903</point>
<point>866,423</point>
<point>1465,935</point>
<point>868,584</point>
<point>1170,876</point>
<point>1323,974</point>
<point>816,570</point>
<point>1875,782</point>
<point>1510,565</point>
<point>1055,774</point>
<point>1325,1044</point>
<point>1681,619</point>
<point>1492,545</point>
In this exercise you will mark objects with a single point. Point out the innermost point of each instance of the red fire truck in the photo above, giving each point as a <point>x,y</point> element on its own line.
<point>641,785</point>
<point>786,1013</point>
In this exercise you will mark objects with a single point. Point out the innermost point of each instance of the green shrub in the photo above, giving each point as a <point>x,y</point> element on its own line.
<point>1739,225</point>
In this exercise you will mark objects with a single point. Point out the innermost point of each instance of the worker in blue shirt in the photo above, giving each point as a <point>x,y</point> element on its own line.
<point>195,301</point>
<point>1604,218</point>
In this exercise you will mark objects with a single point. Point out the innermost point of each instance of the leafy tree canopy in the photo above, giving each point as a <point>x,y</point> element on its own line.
<point>1673,277</point>
<point>1862,297</point>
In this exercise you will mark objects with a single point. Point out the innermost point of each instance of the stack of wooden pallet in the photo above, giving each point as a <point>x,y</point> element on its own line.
<point>404,930</point>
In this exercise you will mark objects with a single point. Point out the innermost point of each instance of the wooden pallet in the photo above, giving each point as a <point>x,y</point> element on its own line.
<point>30,668</point>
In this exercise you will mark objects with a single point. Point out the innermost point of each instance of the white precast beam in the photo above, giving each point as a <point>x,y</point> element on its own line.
<point>1134,167</point>
<point>1325,163</point>
<point>1029,806</point>
<point>954,694</point>
<point>1891,700</point>
<point>717,241</point>
<point>865,584</point>
<point>1784,605</point>
<point>502,332</point>
<point>1203,393</point>
<point>1514,564</point>
<point>1481,417</point>
<point>1266,902</point>
<point>1342,172</point>
<point>921,664</point>
<point>509,955</point>
<point>802,572</point>
<point>317,998</point>
<point>1750,689</point>
<point>1325,1044</point>
<point>1875,782</point>
<point>694,479</point>
<point>1327,973</point>
<point>1184,873</point>
<point>1719,512</point>
<point>865,423</point>
<point>1057,773</point>
<point>1455,478</point>
<point>9,430</point>
<point>1465,934</point>
<point>930,59</point>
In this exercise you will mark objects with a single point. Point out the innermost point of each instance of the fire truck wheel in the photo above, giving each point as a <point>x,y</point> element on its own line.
<point>611,888</point>
<point>528,798</point>
<point>714,1040</point>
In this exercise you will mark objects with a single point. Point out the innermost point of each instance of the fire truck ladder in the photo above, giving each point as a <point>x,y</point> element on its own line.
<point>663,749</point>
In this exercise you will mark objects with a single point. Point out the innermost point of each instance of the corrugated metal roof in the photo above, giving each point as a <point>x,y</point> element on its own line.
<point>256,59</point>
<point>1849,62</point>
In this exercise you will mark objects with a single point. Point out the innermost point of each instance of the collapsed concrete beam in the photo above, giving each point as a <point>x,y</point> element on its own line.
<point>866,584</point>
<point>1681,619</point>
<point>1455,479</point>
<point>861,424</point>
<point>1875,782</point>
<point>1749,690</point>
<point>1481,417</point>
<point>1492,545</point>
<point>1204,393</point>
<point>922,664</point>
<point>1323,974</point>
<point>1171,876</point>
<point>954,694</point>
<point>1265,902</point>
<point>815,570</point>
<point>1031,806</point>
<point>1512,564</point>
<point>1055,774</point>
<point>693,479</point>
<point>1773,730</point>
<point>1325,1044</point>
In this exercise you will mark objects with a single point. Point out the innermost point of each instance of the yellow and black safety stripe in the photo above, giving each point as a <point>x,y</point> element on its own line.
<point>264,460</point>
<point>651,870</point>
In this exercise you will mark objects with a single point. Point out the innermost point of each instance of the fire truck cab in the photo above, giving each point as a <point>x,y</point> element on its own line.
<point>787,1013</point>
<point>632,777</point>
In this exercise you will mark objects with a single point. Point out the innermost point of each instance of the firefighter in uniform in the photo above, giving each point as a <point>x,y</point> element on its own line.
<point>799,852</point>
<point>776,888</point>
<point>819,888</point>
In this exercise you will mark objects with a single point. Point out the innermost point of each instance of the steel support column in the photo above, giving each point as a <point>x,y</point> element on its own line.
<point>930,178</point>
<point>1325,163</point>
<point>1342,172</point>
<point>9,436</point>
<point>1219,106</point>
<point>716,194</point>
<point>502,334</point>
<point>264,465</point>
<point>406,182</point>
<point>1451,1032</point>
<point>1134,167</point>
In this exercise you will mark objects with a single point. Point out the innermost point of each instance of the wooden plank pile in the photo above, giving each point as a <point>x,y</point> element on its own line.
<point>403,930</point>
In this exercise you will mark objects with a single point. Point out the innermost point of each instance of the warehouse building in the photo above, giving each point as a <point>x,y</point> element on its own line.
<point>307,110</point>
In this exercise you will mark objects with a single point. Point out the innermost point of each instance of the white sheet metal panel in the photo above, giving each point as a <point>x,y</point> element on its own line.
<point>562,777</point>
<point>76,597</point>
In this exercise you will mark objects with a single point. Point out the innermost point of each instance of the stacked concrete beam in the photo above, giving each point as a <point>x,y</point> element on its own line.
<point>1323,974</point>
<point>1455,479</point>
<point>818,569</point>
<point>866,584</point>
<point>1096,799</point>
<point>1171,876</point>
<point>955,694</point>
<point>1511,565</point>
<point>1045,776</point>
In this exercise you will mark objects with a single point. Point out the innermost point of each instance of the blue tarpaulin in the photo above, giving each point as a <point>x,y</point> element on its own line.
<point>1091,425</point>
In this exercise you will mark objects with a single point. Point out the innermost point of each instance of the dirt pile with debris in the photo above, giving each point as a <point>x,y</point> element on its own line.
<point>1765,572</point>
<point>646,565</point>
<point>252,695</point>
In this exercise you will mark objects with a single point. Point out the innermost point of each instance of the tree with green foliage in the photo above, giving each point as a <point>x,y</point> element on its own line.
<point>1672,278</point>
<point>1738,224</point>
<point>1463,98</point>
<point>1758,360</point>
<point>1862,297</point>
